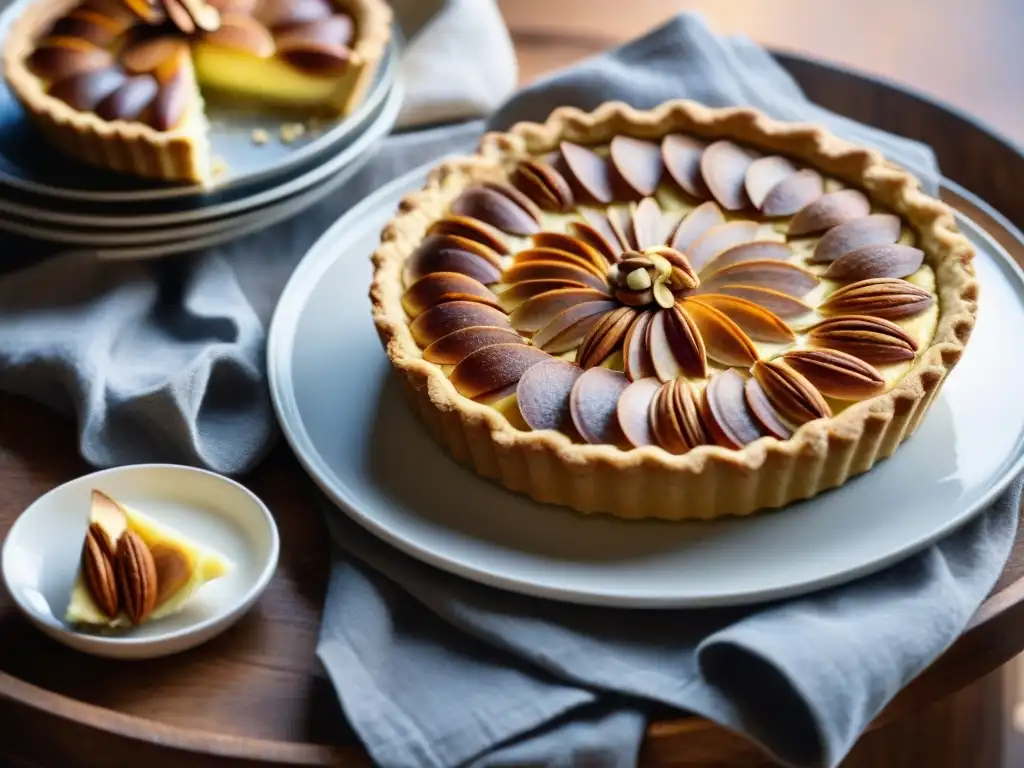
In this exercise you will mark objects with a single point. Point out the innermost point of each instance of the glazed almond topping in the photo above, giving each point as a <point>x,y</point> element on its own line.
<point>671,293</point>
<point>129,59</point>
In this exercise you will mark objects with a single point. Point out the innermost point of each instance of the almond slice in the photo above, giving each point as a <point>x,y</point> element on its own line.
<point>448,253</point>
<point>130,100</point>
<point>239,32</point>
<point>494,371</point>
<point>567,329</point>
<point>724,341</point>
<point>873,261</point>
<point>59,58</point>
<point>637,163</point>
<point>696,224</point>
<point>278,13</point>
<point>544,185</point>
<point>554,253</point>
<point>681,155</point>
<point>872,339</point>
<point>519,292</point>
<point>757,250</point>
<point>543,394</point>
<point>439,287</point>
<point>716,240</point>
<point>634,411</point>
<point>589,170</point>
<point>577,247</point>
<point>674,345</point>
<point>777,275</point>
<point>829,210</point>
<point>593,404</point>
<point>725,413</point>
<point>635,354</point>
<point>793,397</point>
<point>723,166</point>
<point>606,336</point>
<point>877,229</point>
<point>763,411</point>
<point>793,193</point>
<point>496,209</point>
<point>87,90</point>
<point>471,229</point>
<point>837,374</point>
<point>675,418</point>
<point>757,322</point>
<point>549,269</point>
<point>593,237</point>
<point>885,297</point>
<point>764,174</point>
<point>648,224</point>
<point>442,319</point>
<point>601,224</point>
<point>457,345</point>
<point>779,303</point>
<point>621,222</point>
<point>149,53</point>
<point>533,314</point>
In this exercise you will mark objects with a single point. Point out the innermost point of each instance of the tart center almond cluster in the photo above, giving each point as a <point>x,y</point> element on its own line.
<point>673,294</point>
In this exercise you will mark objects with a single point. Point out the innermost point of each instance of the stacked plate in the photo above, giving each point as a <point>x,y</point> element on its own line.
<point>273,169</point>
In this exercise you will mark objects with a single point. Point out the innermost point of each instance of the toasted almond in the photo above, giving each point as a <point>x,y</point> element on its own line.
<point>471,229</point>
<point>724,340</point>
<point>675,418</point>
<point>763,411</point>
<point>243,33</point>
<point>724,411</point>
<point>495,370</point>
<point>149,53</point>
<point>59,58</point>
<point>86,91</point>
<point>442,319</point>
<point>544,185</point>
<point>620,220</point>
<point>457,345</point>
<point>589,170</point>
<point>319,59</point>
<point>204,15</point>
<point>764,174</point>
<point>516,294</point>
<point>777,302</point>
<point>448,253</point>
<point>575,246</point>
<point>873,339</point>
<point>497,209</point>
<point>543,394</point>
<point>877,229</point>
<point>793,193</point>
<point>637,163</point>
<point>872,261</point>
<point>136,577</point>
<point>96,28</point>
<point>635,354</point>
<point>98,572</point>
<point>696,224</point>
<point>648,224</point>
<point>593,404</point>
<point>439,287</point>
<point>130,100</point>
<point>674,345</point>
<point>757,250</point>
<point>276,14</point>
<point>776,275</point>
<point>792,396</point>
<point>173,570</point>
<point>568,328</point>
<point>681,155</point>
<point>703,250</point>
<point>533,314</point>
<point>179,16</point>
<point>601,224</point>
<point>634,411</point>
<point>554,252</point>
<point>554,269</point>
<point>836,374</point>
<point>886,297</point>
<point>606,336</point>
<point>829,210</point>
<point>723,166</point>
<point>757,322</point>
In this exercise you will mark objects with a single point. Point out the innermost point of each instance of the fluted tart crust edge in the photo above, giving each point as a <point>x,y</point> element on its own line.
<point>708,481</point>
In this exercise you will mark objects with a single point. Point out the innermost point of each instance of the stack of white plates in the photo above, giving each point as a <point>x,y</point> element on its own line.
<point>44,195</point>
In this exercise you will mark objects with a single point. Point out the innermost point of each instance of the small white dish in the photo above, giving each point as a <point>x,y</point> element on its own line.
<point>42,551</point>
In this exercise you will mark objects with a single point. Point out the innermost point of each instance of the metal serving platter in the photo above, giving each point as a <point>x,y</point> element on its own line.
<point>30,166</point>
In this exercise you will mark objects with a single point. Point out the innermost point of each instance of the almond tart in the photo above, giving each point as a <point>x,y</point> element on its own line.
<point>118,83</point>
<point>678,313</point>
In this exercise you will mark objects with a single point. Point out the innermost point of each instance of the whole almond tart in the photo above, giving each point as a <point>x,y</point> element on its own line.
<point>118,84</point>
<point>678,313</point>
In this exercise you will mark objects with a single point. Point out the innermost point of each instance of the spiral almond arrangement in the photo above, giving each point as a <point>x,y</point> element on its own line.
<point>662,293</point>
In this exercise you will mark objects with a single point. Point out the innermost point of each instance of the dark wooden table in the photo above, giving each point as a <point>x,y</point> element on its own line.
<point>255,694</point>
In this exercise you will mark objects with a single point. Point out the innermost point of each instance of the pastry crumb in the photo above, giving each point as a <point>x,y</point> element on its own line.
<point>292,131</point>
<point>260,136</point>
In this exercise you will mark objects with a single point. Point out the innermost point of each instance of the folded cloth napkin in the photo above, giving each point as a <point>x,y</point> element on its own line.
<point>435,671</point>
<point>164,361</point>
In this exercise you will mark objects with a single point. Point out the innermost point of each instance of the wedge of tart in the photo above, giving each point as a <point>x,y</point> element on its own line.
<point>118,83</point>
<point>677,313</point>
<point>136,570</point>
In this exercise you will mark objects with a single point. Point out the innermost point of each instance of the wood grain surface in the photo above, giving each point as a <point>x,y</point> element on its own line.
<point>256,694</point>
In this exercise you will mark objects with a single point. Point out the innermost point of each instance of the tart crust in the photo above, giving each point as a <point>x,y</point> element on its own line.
<point>181,154</point>
<point>708,481</point>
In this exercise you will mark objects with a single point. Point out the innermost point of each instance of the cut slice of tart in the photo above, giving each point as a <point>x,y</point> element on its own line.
<point>118,83</point>
<point>678,313</point>
<point>135,569</point>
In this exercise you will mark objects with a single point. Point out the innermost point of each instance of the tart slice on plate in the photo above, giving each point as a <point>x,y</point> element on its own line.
<point>135,569</point>
<point>677,313</point>
<point>119,83</point>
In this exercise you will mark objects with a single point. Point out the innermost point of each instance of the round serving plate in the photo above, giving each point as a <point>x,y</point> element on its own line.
<point>343,412</point>
<point>147,243</point>
<point>28,165</point>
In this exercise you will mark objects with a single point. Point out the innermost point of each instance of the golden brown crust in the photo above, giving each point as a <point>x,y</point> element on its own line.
<point>181,154</point>
<point>709,481</point>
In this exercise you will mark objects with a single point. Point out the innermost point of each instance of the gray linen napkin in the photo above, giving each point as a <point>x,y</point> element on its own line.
<point>433,670</point>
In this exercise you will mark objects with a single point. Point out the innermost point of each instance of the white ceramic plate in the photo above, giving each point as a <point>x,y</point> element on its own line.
<point>65,228</point>
<point>27,163</point>
<point>344,414</point>
<point>42,551</point>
